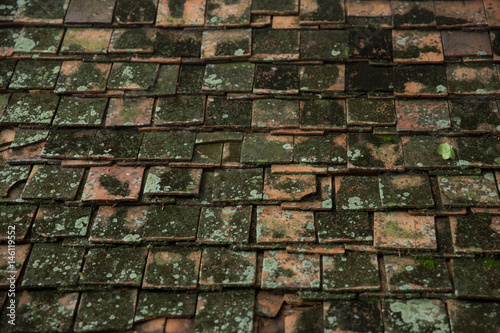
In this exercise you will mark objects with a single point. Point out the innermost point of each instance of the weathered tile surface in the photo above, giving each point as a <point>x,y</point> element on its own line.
<point>282,270</point>
<point>224,225</point>
<point>275,225</point>
<point>350,272</point>
<point>113,184</point>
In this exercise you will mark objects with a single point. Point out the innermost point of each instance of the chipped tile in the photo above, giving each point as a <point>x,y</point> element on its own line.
<point>10,175</point>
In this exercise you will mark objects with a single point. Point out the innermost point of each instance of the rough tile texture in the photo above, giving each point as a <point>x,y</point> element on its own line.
<point>250,165</point>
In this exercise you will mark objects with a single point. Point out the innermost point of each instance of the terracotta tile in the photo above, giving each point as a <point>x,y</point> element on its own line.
<point>77,77</point>
<point>281,8</point>
<point>225,225</point>
<point>226,44</point>
<point>353,316</point>
<point>27,146</point>
<point>321,200</point>
<point>133,76</point>
<point>469,190</point>
<point>43,310</point>
<point>466,43</point>
<point>357,193</point>
<point>395,319</point>
<point>113,184</point>
<point>318,12</point>
<point>326,114</point>
<point>35,75</point>
<point>135,12</point>
<point>422,115</point>
<point>268,303</point>
<point>402,231</point>
<point>35,12</point>
<point>362,76</point>
<point>414,46</point>
<point>154,304</point>
<point>22,214</point>
<point>405,274</point>
<point>106,310</point>
<point>171,223</point>
<point>181,14</point>
<point>468,79</point>
<point>461,311</point>
<point>230,77</point>
<point>421,152</point>
<point>481,153</point>
<point>129,112</point>
<point>492,12</point>
<point>33,109</point>
<point>466,118</point>
<point>126,270</point>
<point>278,149</point>
<point>116,145</point>
<point>460,14</point>
<point>284,270</point>
<point>238,185</point>
<point>222,267</point>
<point>39,40</point>
<point>370,43</point>
<point>10,175</point>
<point>272,45</point>
<point>413,14</point>
<point>132,40</point>
<point>288,187</point>
<point>167,146</point>
<point>322,78</point>
<point>172,181</point>
<point>364,111</point>
<point>285,22</point>
<point>405,190</point>
<point>260,21</point>
<point>305,320</point>
<point>172,268</point>
<point>47,264</point>
<point>118,224</point>
<point>270,325</point>
<point>323,45</point>
<point>90,11</point>
<point>52,182</point>
<point>279,79</point>
<point>368,9</point>
<point>343,227</point>
<point>225,312</point>
<point>413,80</point>
<point>62,221</point>
<point>275,113</point>
<point>68,144</point>
<point>86,40</point>
<point>179,110</point>
<point>475,233</point>
<point>9,39</point>
<point>9,10</point>
<point>275,225</point>
<point>330,149</point>
<point>228,13</point>
<point>225,113</point>
<point>476,277</point>
<point>350,272</point>
<point>372,152</point>
<point>178,43</point>
<point>12,265</point>
<point>85,112</point>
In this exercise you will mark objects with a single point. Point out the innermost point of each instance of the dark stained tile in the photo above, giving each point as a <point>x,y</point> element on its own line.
<point>406,190</point>
<point>325,114</point>
<point>52,182</point>
<point>357,193</point>
<point>366,111</point>
<point>417,80</point>
<point>370,43</point>
<point>229,77</point>
<point>322,78</point>
<point>413,14</point>
<point>475,233</point>
<point>167,146</point>
<point>36,12</point>
<point>179,110</point>
<point>350,272</point>
<point>374,152</point>
<point>182,13</point>
<point>307,319</point>
<point>191,79</point>
<point>463,315</point>
<point>355,316</point>
<point>275,45</point>
<point>31,74</point>
<point>62,221</point>
<point>133,76</point>
<point>321,12</point>
<point>224,225</point>
<point>77,77</point>
<point>132,40</point>
<point>276,79</point>
<point>23,215</point>
<point>228,13</point>
<point>275,113</point>
<point>328,149</point>
<point>10,175</point>
<point>135,12</point>
<point>116,145</point>
<point>469,13</point>
<point>476,277</point>
<point>226,113</point>
<point>324,45</point>
<point>422,115</point>
<point>421,152</point>
<point>122,224</point>
<point>466,117</point>
<point>469,190</point>
<point>417,46</point>
<point>171,223</point>
<point>466,43</point>
<point>226,44</point>
<point>34,109</point>
<point>178,43</point>
<point>278,149</point>
<point>362,76</point>
<point>90,11</point>
<point>238,184</point>
<point>286,7</point>
<point>68,144</point>
<point>154,304</point>
<point>343,227</point>
<point>172,181</point>
<point>472,79</point>
<point>283,270</point>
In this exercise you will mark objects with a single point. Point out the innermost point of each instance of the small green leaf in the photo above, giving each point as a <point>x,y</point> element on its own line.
<point>444,148</point>
<point>446,151</point>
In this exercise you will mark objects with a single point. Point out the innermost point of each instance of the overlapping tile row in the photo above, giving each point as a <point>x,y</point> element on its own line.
<point>250,166</point>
